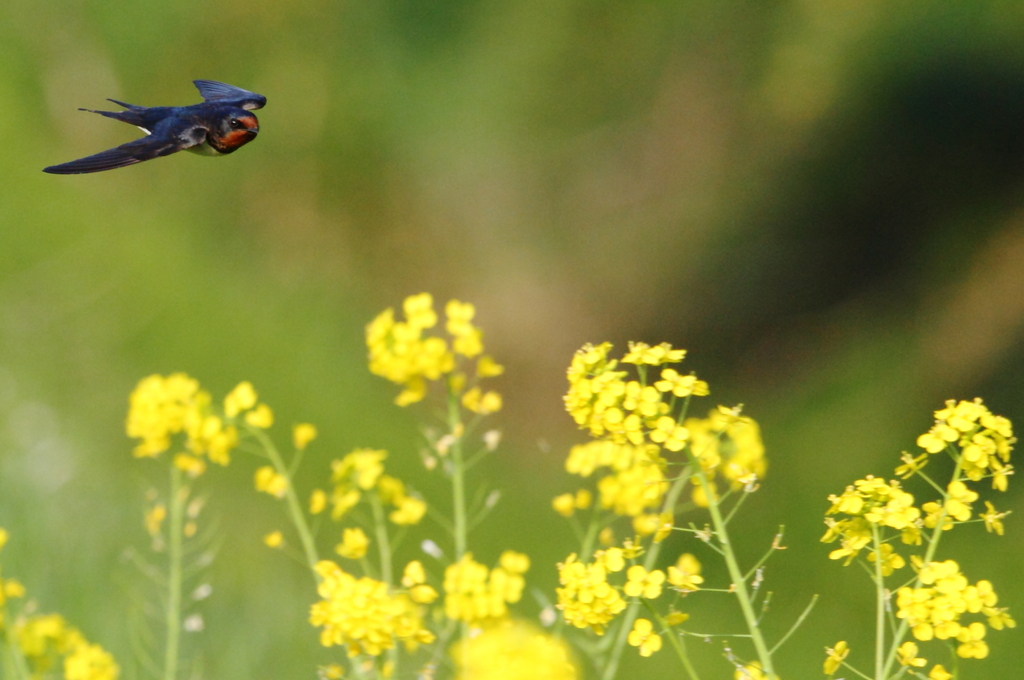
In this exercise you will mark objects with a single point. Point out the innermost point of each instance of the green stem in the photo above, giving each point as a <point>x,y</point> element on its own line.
<point>175,529</point>
<point>292,500</point>
<point>879,580</point>
<point>652,558</point>
<point>383,545</point>
<point>458,477</point>
<point>736,576</point>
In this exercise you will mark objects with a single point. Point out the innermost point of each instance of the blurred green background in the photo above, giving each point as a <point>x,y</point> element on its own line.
<point>821,200</point>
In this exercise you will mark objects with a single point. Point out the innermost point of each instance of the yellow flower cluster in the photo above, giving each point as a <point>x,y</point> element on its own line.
<point>636,481</point>
<point>45,638</point>
<point>586,598</point>
<point>513,651</point>
<point>270,481</point>
<point>871,501</point>
<point>603,401</point>
<point>729,444</point>
<point>567,504</point>
<point>402,353</point>
<point>935,610</point>
<point>985,440</point>
<point>478,595</point>
<point>163,406</point>
<point>362,471</point>
<point>363,616</point>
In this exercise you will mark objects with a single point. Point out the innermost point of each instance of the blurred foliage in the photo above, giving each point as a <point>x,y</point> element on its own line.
<point>821,200</point>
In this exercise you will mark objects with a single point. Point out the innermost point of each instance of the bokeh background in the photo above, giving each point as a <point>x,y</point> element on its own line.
<point>821,200</point>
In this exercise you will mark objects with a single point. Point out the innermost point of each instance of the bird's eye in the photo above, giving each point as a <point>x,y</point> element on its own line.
<point>235,122</point>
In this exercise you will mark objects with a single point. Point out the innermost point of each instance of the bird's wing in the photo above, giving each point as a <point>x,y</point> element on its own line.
<point>163,141</point>
<point>229,94</point>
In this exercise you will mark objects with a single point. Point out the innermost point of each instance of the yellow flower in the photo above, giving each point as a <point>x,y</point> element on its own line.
<point>684,575</point>
<point>269,481</point>
<point>681,385</point>
<point>302,435</point>
<point>890,560</point>
<point>513,651</point>
<point>160,407</point>
<point>317,501</point>
<point>3,538</point>
<point>834,657</point>
<point>972,643</point>
<point>261,417</point>
<point>486,367</point>
<point>414,579</point>
<point>675,618</point>
<point>401,353</point>
<point>669,434</point>
<point>476,595</point>
<point>564,505</point>
<point>467,597</point>
<point>408,511</point>
<point>993,519</point>
<point>911,465</point>
<point>361,615</point>
<point>907,655</point>
<point>728,444</point>
<point>644,637</point>
<point>242,398</point>
<point>939,673</point>
<point>641,583</point>
<point>154,518</point>
<point>958,504</point>
<point>193,466</point>
<point>363,467</point>
<point>665,527</point>
<point>642,353</point>
<point>353,544</point>
<point>483,403</point>
<point>613,559</point>
<point>12,588</point>
<point>645,525</point>
<point>90,662</point>
<point>586,599</point>
<point>274,539</point>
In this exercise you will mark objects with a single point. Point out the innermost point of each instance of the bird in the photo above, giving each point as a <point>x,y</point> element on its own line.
<point>219,125</point>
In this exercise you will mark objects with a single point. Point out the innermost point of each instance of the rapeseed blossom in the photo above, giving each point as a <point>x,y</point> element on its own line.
<point>985,440</point>
<point>478,595</point>
<point>936,610</point>
<point>727,444</point>
<point>834,657</point>
<point>161,407</point>
<point>403,352</point>
<point>635,481</point>
<point>586,598</point>
<point>362,472</point>
<point>45,639</point>
<point>601,399</point>
<point>644,637</point>
<point>362,615</point>
<point>513,651</point>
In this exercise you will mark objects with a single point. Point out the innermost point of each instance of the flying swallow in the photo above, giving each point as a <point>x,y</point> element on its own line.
<point>218,126</point>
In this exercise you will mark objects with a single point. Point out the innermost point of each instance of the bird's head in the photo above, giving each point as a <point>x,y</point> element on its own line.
<point>234,128</point>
